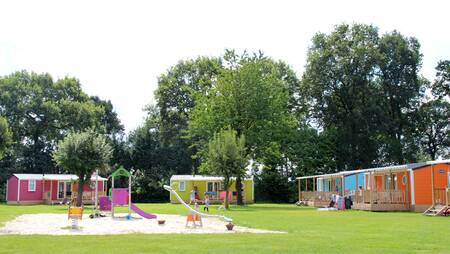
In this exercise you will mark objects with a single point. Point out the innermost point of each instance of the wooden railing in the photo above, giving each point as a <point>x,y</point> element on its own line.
<point>90,195</point>
<point>440,196</point>
<point>316,196</point>
<point>362,196</point>
<point>381,197</point>
<point>86,195</point>
<point>307,195</point>
<point>447,201</point>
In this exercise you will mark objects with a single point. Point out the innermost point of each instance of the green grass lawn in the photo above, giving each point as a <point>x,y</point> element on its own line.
<point>309,231</point>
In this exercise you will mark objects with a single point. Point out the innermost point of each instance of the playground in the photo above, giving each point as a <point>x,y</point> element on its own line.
<point>56,224</point>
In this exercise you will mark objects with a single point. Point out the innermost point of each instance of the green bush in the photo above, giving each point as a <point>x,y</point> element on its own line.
<point>271,186</point>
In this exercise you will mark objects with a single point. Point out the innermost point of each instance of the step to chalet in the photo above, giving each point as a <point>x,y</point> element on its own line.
<point>436,210</point>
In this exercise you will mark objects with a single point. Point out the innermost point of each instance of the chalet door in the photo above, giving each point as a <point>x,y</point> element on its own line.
<point>68,189</point>
<point>448,180</point>
<point>61,190</point>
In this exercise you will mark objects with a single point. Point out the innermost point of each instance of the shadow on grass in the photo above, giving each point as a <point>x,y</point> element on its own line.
<point>265,208</point>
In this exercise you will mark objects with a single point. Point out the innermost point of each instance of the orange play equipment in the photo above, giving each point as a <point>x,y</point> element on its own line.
<point>193,218</point>
<point>75,214</point>
<point>190,217</point>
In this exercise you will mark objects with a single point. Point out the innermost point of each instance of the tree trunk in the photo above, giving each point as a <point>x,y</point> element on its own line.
<point>80,192</point>
<point>226,201</point>
<point>239,191</point>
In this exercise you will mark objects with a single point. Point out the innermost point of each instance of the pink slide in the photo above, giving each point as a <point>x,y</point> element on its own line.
<point>141,212</point>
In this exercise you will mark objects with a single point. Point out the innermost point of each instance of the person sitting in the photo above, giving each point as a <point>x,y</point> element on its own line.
<point>332,202</point>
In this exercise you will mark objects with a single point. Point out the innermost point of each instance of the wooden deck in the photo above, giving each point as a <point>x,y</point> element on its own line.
<point>363,200</point>
<point>88,198</point>
<point>381,207</point>
<point>318,203</point>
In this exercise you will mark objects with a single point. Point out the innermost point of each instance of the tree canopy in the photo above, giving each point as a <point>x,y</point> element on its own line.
<point>441,85</point>
<point>363,87</point>
<point>42,111</point>
<point>81,153</point>
<point>5,137</point>
<point>226,157</point>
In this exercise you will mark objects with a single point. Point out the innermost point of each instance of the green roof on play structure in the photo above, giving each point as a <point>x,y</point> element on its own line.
<point>121,172</point>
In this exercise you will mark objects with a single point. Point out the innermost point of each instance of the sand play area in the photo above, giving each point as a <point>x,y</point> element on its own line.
<point>58,224</point>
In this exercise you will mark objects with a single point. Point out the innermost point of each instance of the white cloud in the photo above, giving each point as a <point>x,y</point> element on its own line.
<point>118,48</point>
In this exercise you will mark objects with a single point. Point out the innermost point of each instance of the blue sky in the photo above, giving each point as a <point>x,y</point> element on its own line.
<point>118,48</point>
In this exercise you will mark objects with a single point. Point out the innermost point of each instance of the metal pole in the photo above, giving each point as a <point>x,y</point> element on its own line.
<point>51,192</point>
<point>96,192</point>
<point>129,196</point>
<point>371,189</point>
<point>390,180</point>
<point>299,190</point>
<point>446,196</point>
<point>356,188</point>
<point>18,192</point>
<point>112,196</point>
<point>432,185</point>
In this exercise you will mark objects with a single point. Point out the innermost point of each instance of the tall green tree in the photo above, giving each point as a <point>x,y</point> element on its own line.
<point>82,153</point>
<point>110,125</point>
<point>365,88</point>
<point>401,92</point>
<point>226,158</point>
<point>339,70</point>
<point>109,122</point>
<point>42,111</point>
<point>312,152</point>
<point>176,95</point>
<point>252,98</point>
<point>150,159</point>
<point>441,85</point>
<point>5,137</point>
<point>433,128</point>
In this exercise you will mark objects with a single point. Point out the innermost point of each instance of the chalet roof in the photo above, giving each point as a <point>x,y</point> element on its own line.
<point>411,166</point>
<point>199,178</point>
<point>59,177</point>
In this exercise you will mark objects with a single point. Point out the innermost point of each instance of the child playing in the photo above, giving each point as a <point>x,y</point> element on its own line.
<point>196,206</point>
<point>206,208</point>
<point>192,197</point>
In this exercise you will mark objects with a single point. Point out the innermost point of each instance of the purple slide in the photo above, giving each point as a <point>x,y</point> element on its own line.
<point>141,212</point>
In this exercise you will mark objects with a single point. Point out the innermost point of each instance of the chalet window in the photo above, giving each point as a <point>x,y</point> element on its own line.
<point>182,186</point>
<point>213,186</point>
<point>31,185</point>
<point>386,182</point>
<point>210,187</point>
<point>394,182</point>
<point>390,182</point>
